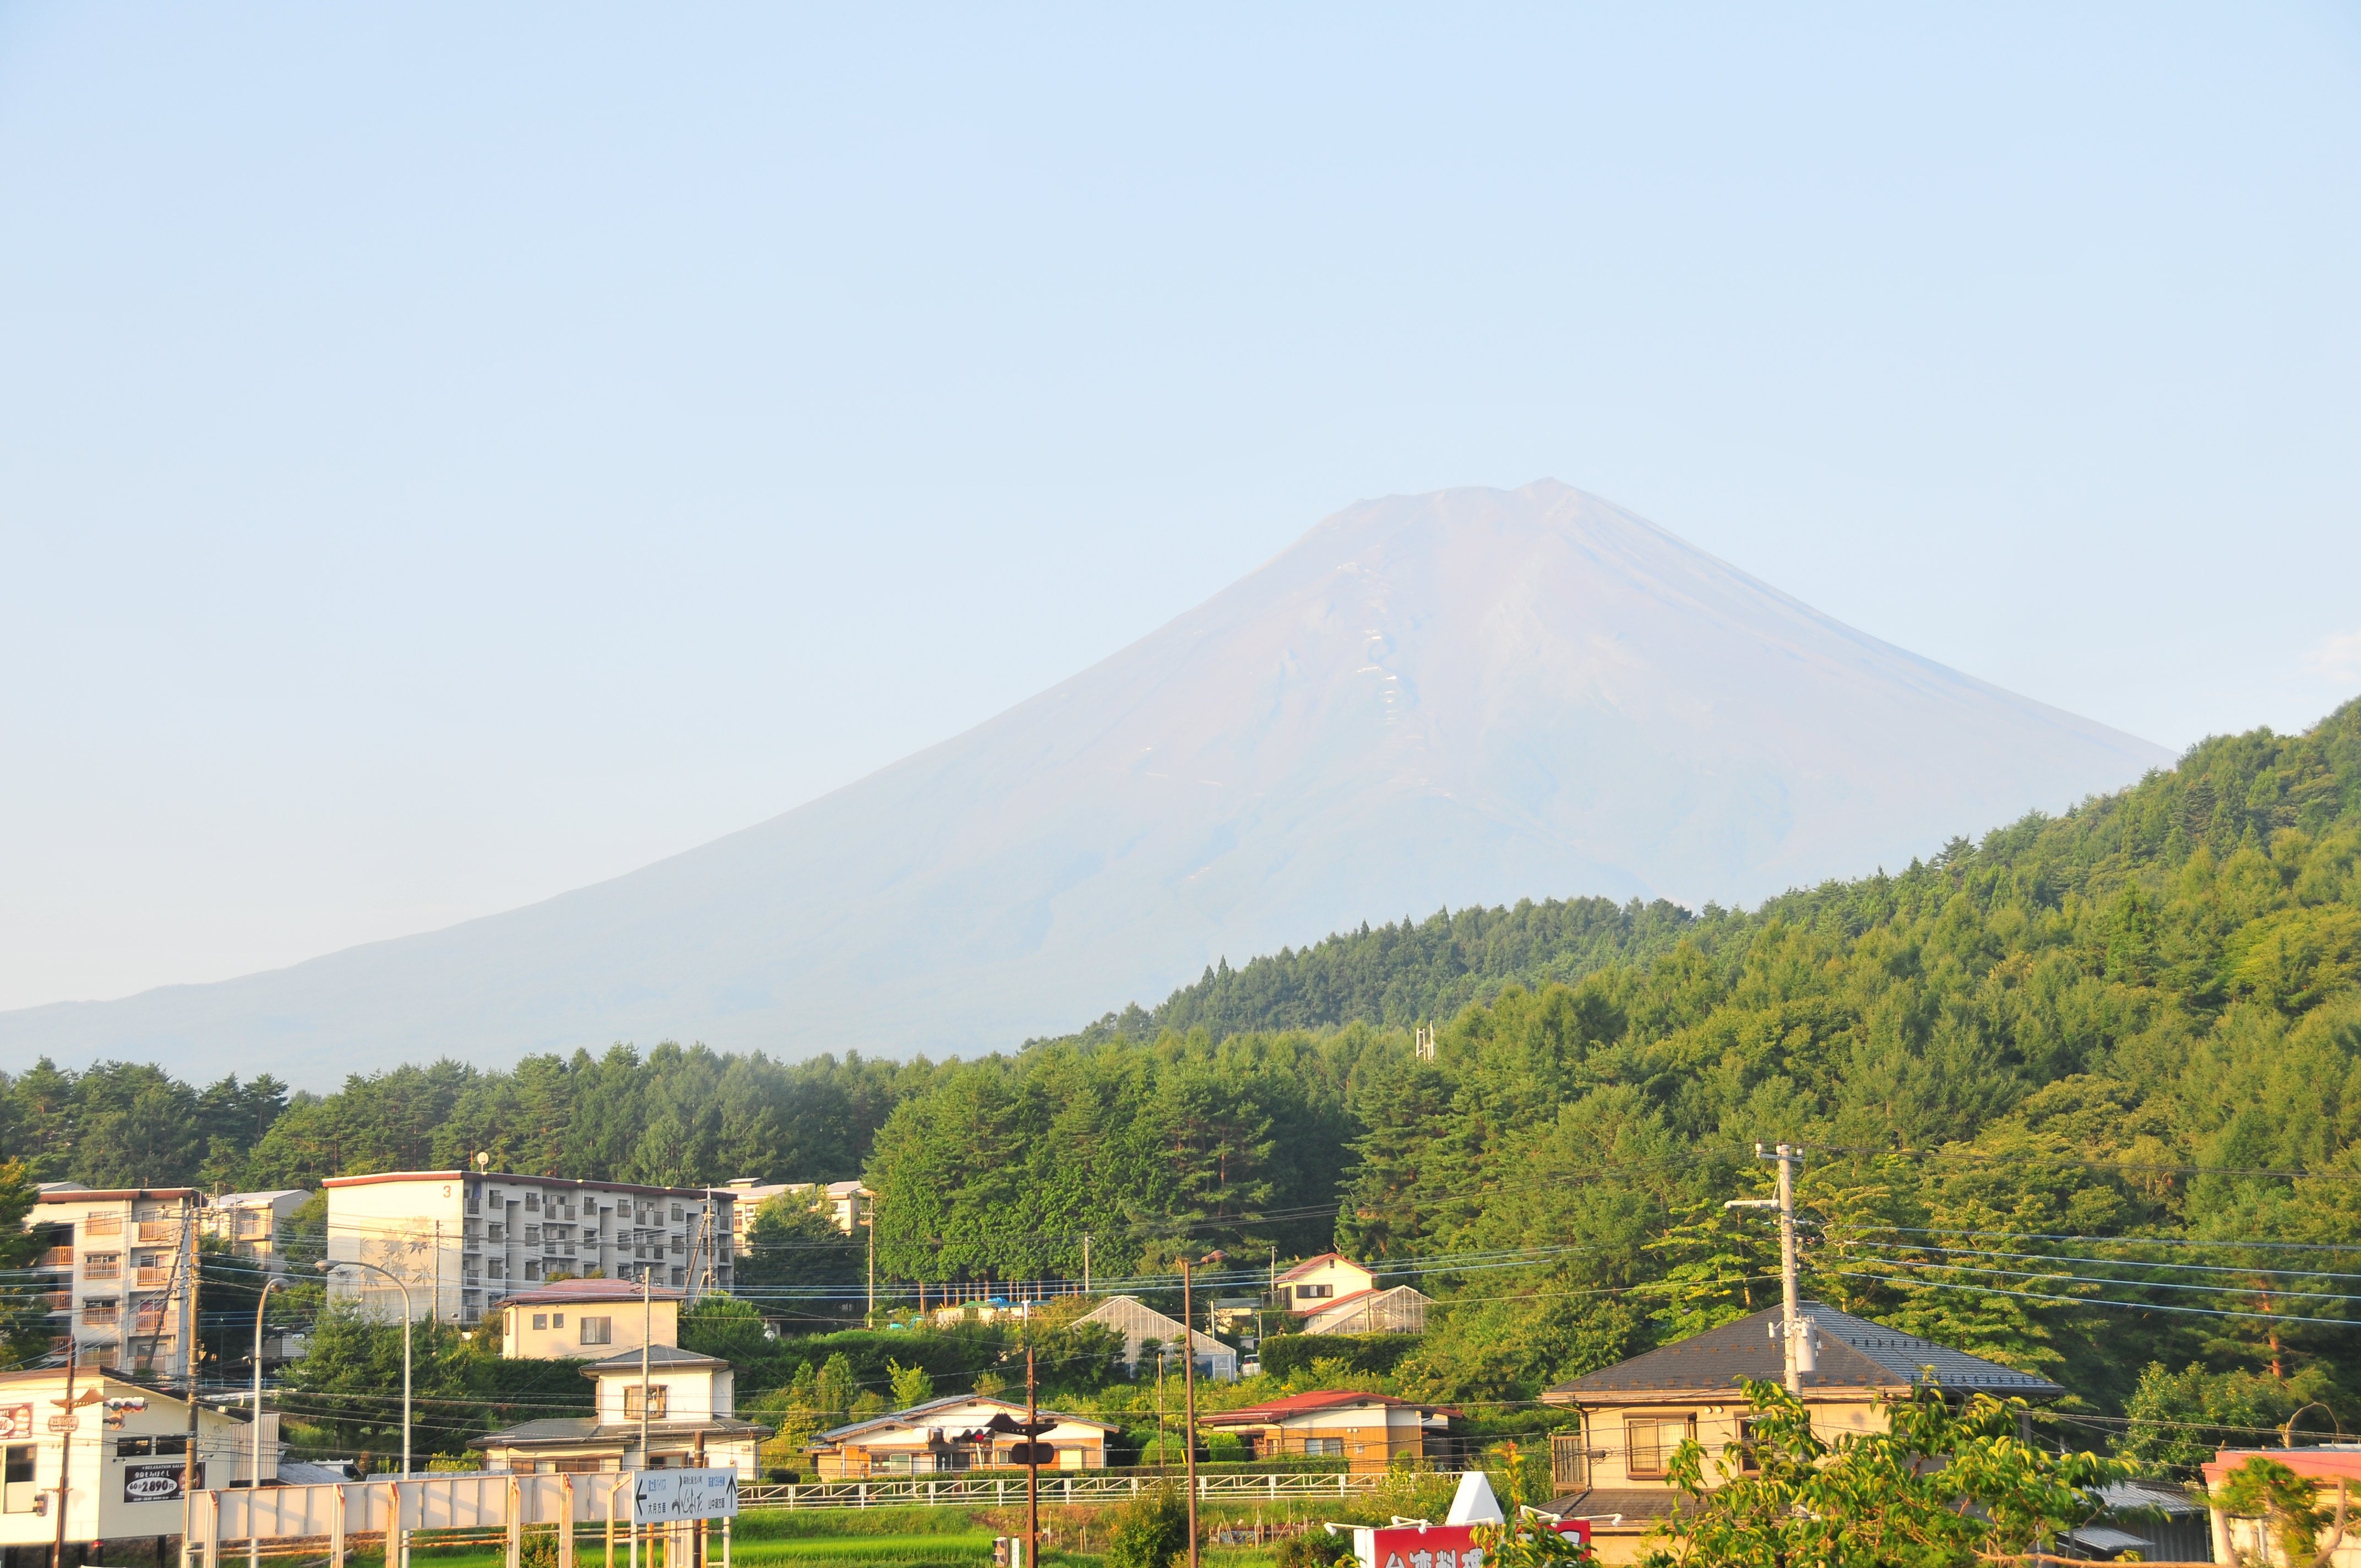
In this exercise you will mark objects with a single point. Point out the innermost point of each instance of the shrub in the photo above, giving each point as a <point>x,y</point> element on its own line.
<point>1151,1531</point>
<point>1359,1353</point>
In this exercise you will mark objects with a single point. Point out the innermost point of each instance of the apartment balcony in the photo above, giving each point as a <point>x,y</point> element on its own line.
<point>57,1301</point>
<point>55,1258</point>
<point>101,1316</point>
<point>151,1278</point>
<point>157,1231</point>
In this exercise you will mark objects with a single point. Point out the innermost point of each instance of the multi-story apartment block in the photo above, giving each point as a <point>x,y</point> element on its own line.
<point>846,1202</point>
<point>255,1223</point>
<point>460,1240</point>
<point>114,1274</point>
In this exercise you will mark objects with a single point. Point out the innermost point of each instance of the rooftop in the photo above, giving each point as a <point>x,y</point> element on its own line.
<point>1854,1352</point>
<point>565,1291</point>
<point>1320,1400</point>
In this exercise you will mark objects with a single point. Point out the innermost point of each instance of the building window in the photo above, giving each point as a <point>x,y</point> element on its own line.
<point>677,1215</point>
<point>1748,1462</point>
<point>1651,1439</point>
<point>680,1277</point>
<point>556,1320</point>
<point>102,1266</point>
<point>1314,1292</point>
<point>598,1330</point>
<point>655,1402</point>
<point>541,1320</point>
<point>532,1235</point>
<point>532,1202</point>
<point>1324,1447</point>
<point>17,1467</point>
<point>500,1232</point>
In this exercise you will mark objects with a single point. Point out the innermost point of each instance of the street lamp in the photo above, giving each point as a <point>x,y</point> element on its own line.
<point>326,1264</point>
<point>254,1477</point>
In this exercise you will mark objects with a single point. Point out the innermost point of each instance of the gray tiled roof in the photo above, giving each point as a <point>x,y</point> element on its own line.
<point>1636,1505</point>
<point>582,1429</point>
<point>1854,1352</point>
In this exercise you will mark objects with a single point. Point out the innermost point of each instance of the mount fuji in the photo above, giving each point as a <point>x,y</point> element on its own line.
<point>1470,696</point>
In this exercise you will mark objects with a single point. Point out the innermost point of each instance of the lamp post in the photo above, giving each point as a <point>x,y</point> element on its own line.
<point>326,1266</point>
<point>254,1476</point>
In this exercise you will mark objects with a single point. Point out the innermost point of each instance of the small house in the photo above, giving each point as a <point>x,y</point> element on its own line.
<point>1615,1468</point>
<point>1138,1323</point>
<point>944,1436</point>
<point>130,1445</point>
<point>1318,1283</point>
<point>690,1418</point>
<point>1369,1432</point>
<point>588,1320</point>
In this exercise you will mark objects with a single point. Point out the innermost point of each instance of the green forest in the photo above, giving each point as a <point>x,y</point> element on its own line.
<point>2082,1096</point>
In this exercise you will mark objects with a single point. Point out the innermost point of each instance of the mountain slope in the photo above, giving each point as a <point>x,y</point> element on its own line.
<point>1466,697</point>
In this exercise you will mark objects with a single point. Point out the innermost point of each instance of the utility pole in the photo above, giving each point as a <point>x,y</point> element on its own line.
<point>66,1423</point>
<point>1032,1458</point>
<point>869,1218</point>
<point>1796,1353</point>
<point>1188,1395</point>
<point>189,1350</point>
<point>647,1333</point>
<point>1086,1263</point>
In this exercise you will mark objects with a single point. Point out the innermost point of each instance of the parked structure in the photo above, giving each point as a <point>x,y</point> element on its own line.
<point>114,1274</point>
<point>255,1223</point>
<point>691,1412</point>
<point>1369,1432</point>
<point>586,1320</point>
<point>846,1202</point>
<point>1138,1323</point>
<point>460,1239</point>
<point>123,1480</point>
<point>1319,1283</point>
<point>1401,1310</point>
<point>944,1436</point>
<point>1635,1413</point>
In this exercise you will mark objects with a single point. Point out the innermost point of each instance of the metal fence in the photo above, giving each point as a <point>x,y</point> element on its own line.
<point>1062,1487</point>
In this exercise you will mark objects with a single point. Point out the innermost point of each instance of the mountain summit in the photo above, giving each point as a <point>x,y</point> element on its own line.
<point>1471,696</point>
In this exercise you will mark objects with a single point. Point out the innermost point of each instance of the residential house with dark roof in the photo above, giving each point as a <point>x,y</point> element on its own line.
<point>691,1419</point>
<point>1369,1432</point>
<point>1614,1468</point>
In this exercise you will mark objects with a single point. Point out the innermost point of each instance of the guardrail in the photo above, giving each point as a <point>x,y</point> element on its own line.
<point>1058,1487</point>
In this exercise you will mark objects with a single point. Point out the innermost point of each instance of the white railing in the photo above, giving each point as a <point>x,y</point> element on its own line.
<point>1059,1487</point>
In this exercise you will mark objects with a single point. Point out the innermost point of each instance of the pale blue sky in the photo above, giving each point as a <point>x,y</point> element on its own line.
<point>452,454</point>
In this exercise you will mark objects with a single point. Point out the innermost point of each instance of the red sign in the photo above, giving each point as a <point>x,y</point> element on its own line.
<point>1434,1545</point>
<point>15,1421</point>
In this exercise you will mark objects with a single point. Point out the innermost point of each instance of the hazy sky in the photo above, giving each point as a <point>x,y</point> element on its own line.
<point>451,454</point>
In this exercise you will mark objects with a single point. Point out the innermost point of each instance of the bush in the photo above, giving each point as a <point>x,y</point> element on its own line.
<point>1360,1352</point>
<point>1315,1548</point>
<point>1151,1531</point>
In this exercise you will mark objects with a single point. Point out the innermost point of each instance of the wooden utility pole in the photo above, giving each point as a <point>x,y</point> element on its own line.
<point>869,1218</point>
<point>1032,1458</point>
<point>189,1347</point>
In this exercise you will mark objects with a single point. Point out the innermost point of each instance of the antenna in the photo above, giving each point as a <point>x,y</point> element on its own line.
<point>1424,1040</point>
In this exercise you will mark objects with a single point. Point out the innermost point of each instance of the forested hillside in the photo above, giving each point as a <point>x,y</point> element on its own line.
<point>2083,1096</point>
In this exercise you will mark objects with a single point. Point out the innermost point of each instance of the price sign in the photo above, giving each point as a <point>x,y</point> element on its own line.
<point>64,1424</point>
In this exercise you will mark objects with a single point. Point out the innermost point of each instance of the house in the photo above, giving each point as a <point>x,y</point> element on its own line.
<point>130,1442</point>
<point>945,1435</point>
<point>1139,1322</point>
<point>691,1421</point>
<point>113,1273</point>
<point>460,1239</point>
<point>2328,1465</point>
<point>1613,1468</point>
<point>589,1319</point>
<point>2159,1520</point>
<point>1369,1432</point>
<point>1320,1282</point>
<point>846,1202</point>
<point>1401,1310</point>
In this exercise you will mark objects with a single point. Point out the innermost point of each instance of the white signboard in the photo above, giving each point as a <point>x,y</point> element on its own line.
<point>660,1496</point>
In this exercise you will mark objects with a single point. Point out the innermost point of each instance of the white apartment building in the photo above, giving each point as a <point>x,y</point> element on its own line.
<point>846,1202</point>
<point>114,1274</point>
<point>461,1240</point>
<point>255,1223</point>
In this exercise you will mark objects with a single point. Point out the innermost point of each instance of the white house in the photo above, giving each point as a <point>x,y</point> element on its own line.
<point>1139,1322</point>
<point>951,1434</point>
<point>1320,1282</point>
<point>586,1320</point>
<point>691,1409</point>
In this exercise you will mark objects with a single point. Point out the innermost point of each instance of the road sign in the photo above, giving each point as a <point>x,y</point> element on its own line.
<point>64,1424</point>
<point>1032,1453</point>
<point>660,1496</point>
